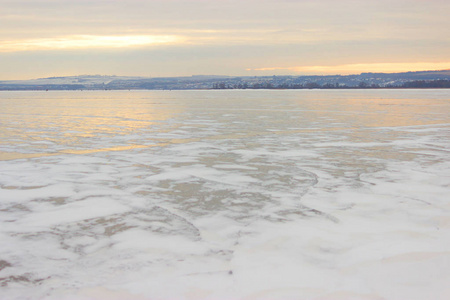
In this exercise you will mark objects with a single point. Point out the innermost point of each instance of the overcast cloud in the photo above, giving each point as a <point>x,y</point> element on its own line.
<point>43,38</point>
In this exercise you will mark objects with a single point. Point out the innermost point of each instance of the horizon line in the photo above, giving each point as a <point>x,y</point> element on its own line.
<point>216,75</point>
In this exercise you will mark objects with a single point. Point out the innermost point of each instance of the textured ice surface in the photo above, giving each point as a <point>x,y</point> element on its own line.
<point>225,195</point>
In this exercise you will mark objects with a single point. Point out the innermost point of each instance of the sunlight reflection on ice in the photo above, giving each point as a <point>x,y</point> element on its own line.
<point>225,194</point>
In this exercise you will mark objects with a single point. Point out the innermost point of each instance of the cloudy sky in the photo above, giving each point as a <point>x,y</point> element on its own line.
<point>42,38</point>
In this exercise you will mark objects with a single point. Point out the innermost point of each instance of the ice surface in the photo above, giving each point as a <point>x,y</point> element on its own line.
<point>225,195</point>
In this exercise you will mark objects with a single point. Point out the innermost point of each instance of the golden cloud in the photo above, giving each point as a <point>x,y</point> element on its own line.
<point>88,41</point>
<point>361,68</point>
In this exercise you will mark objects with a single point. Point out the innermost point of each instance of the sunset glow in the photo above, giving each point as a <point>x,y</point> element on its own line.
<point>87,41</point>
<point>159,38</point>
<point>362,68</point>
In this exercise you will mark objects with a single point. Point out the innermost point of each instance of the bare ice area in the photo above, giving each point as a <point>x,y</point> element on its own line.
<point>225,195</point>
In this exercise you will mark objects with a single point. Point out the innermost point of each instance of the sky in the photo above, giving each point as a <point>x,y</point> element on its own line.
<point>157,38</point>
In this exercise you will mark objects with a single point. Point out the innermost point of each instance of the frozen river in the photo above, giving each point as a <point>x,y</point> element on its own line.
<point>306,194</point>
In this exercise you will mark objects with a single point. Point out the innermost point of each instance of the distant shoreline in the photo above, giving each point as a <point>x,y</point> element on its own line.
<point>248,89</point>
<point>409,80</point>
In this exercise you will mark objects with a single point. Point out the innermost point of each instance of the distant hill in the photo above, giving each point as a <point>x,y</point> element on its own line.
<point>418,73</point>
<point>422,79</point>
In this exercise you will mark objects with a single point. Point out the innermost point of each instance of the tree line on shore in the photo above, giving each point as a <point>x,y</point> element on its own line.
<point>433,84</point>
